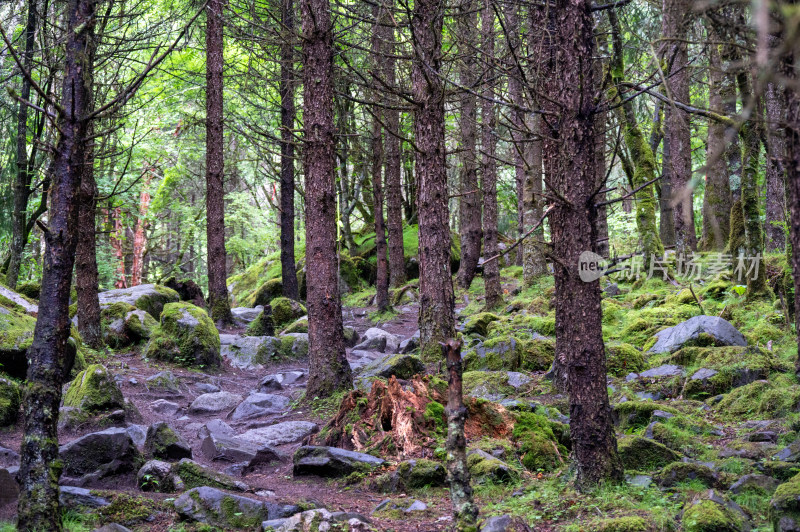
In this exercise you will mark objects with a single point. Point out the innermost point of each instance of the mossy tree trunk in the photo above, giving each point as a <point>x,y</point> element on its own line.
<point>717,197</point>
<point>641,156</point>
<point>376,154</point>
<point>491,269</point>
<point>218,302</point>
<point>775,175</point>
<point>40,469</point>
<point>469,202</point>
<point>579,339</point>
<point>288,270</point>
<point>792,138</point>
<point>328,367</point>
<point>436,314</point>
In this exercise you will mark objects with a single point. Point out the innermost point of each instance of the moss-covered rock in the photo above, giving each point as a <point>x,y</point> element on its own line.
<point>634,414</point>
<point>622,359</point>
<point>263,325</point>
<point>677,472</point>
<point>195,475</point>
<point>148,297</point>
<point>511,353</point>
<point>707,515</point>
<point>164,442</point>
<point>93,391</point>
<point>30,289</point>
<point>484,467</point>
<point>538,445</point>
<point>784,508</point>
<point>479,323</point>
<point>268,291</point>
<point>643,454</point>
<point>124,325</point>
<point>298,326</point>
<point>725,368</point>
<point>631,523</point>
<point>285,311</point>
<point>491,385</point>
<point>413,474</point>
<point>759,400</point>
<point>186,336</point>
<point>16,336</point>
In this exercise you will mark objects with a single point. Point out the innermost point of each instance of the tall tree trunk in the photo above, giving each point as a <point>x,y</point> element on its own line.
<point>139,232</point>
<point>288,270</point>
<point>393,169</point>
<point>792,139</point>
<point>328,367</point>
<point>717,197</point>
<point>86,273</point>
<point>677,131</point>
<point>641,155</point>
<point>49,354</point>
<point>469,202</point>
<point>776,204</point>
<point>573,224</point>
<point>218,303</point>
<point>491,269</point>
<point>22,190</point>
<point>436,314</point>
<point>376,153</point>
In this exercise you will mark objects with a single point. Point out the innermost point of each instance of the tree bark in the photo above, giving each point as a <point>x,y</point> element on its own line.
<point>776,204</point>
<point>218,302</point>
<point>393,169</point>
<point>328,367</point>
<point>573,223</point>
<point>49,354</point>
<point>465,512</point>
<point>792,138</point>
<point>87,277</point>
<point>23,182</point>
<point>436,315</point>
<point>677,130</point>
<point>717,196</point>
<point>286,89</point>
<point>376,153</point>
<point>469,202</point>
<point>491,269</point>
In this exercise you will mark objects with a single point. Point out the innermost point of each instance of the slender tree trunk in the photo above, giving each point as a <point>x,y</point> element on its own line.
<point>86,274</point>
<point>22,186</point>
<point>469,202</point>
<point>666,220</point>
<point>215,194</point>
<point>464,509</point>
<point>376,153</point>
<point>140,231</point>
<point>436,314</point>
<point>717,197</point>
<point>677,127</point>
<point>288,270</point>
<point>40,469</point>
<point>573,224</point>
<point>328,367</point>
<point>776,204</point>
<point>491,269</point>
<point>394,185</point>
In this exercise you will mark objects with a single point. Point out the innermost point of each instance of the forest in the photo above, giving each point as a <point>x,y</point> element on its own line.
<point>402,265</point>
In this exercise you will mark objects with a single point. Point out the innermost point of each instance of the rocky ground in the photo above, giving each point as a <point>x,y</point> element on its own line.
<point>183,427</point>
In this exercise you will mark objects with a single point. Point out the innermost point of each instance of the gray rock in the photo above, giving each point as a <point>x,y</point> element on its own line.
<point>157,476</point>
<point>74,497</point>
<point>409,344</point>
<point>246,314</point>
<point>517,379</point>
<point>144,296</point>
<point>703,374</point>
<point>270,383</point>
<point>756,482</point>
<point>673,338</point>
<point>213,403</point>
<point>205,505</point>
<point>99,454</point>
<point>216,427</point>
<point>243,351</point>
<point>319,519</point>
<point>408,506</point>
<point>9,489</point>
<point>498,523</point>
<point>8,457</point>
<point>112,527</point>
<point>660,415</point>
<point>665,370</point>
<point>138,434</point>
<point>764,436</point>
<point>30,308</point>
<point>260,404</point>
<point>375,339</point>
<point>164,442</point>
<point>332,462</point>
<point>280,433</point>
<point>790,453</point>
<point>206,387</point>
<point>164,407</point>
<point>163,381</point>
<point>226,448</point>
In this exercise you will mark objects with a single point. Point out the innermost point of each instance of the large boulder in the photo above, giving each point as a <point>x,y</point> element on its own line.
<point>194,475</point>
<point>186,336</point>
<point>98,455</point>
<point>332,461</point>
<point>285,311</point>
<point>644,454</point>
<point>148,297</point>
<point>375,339</point>
<point>124,324</point>
<point>710,512</point>
<point>260,404</point>
<point>94,391</point>
<point>401,366</point>
<point>246,314</point>
<point>242,352</point>
<point>699,330</point>
<point>11,299</point>
<point>279,433</point>
<point>165,443</point>
<point>217,508</point>
<point>213,403</point>
<point>16,336</point>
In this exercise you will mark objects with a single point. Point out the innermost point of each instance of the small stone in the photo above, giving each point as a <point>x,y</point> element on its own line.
<point>164,407</point>
<point>213,403</point>
<point>73,497</point>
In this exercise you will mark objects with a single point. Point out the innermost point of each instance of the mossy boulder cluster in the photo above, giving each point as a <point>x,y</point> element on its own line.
<point>93,391</point>
<point>186,336</point>
<point>125,325</point>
